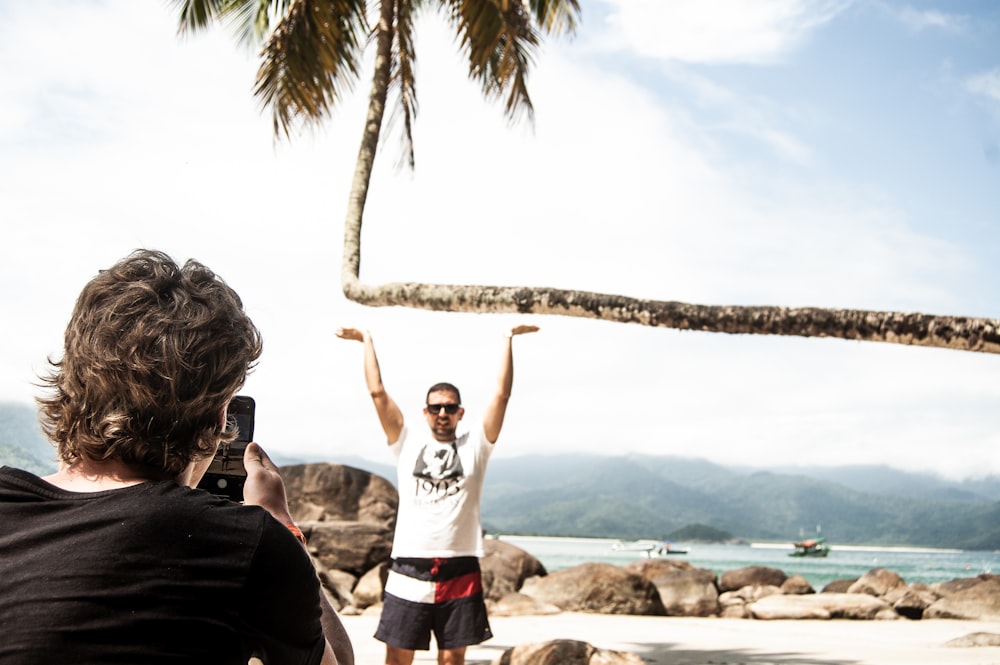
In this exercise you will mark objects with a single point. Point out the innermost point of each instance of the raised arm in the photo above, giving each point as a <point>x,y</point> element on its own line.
<point>389,414</point>
<point>497,407</point>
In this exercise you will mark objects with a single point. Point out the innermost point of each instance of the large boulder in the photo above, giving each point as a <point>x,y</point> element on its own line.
<point>347,515</point>
<point>838,586</point>
<point>961,583</point>
<point>518,604</point>
<point>505,568</point>
<point>877,582</point>
<point>822,606</point>
<point>335,492</point>
<point>796,585</point>
<point>355,547</point>
<point>979,602</point>
<point>684,590</point>
<point>737,578</point>
<point>911,601</point>
<point>565,652</point>
<point>596,587</point>
<point>368,590</point>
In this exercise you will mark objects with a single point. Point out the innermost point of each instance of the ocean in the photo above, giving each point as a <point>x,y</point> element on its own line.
<point>843,562</point>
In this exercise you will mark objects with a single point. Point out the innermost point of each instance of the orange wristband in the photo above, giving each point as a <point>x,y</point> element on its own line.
<point>297,532</point>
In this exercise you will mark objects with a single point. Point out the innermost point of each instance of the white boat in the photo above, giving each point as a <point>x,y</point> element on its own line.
<point>651,548</point>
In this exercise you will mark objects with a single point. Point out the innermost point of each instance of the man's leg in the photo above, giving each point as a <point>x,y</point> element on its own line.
<point>397,656</point>
<point>451,656</point>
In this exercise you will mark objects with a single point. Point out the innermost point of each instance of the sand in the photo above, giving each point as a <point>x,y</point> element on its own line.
<point>695,641</point>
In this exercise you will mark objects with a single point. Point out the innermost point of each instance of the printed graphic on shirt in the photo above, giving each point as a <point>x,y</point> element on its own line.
<point>438,461</point>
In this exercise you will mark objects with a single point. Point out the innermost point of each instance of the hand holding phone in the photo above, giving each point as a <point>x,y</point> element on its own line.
<point>226,474</point>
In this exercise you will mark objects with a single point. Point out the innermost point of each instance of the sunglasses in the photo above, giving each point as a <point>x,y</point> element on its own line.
<point>450,409</point>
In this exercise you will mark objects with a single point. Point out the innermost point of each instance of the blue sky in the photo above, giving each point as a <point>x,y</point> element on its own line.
<point>781,152</point>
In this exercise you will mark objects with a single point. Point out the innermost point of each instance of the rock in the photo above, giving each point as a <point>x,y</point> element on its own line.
<point>750,576</point>
<point>980,602</point>
<point>339,584</point>
<point>505,567</point>
<point>838,586</point>
<point>368,590</point>
<point>518,604</point>
<point>821,606</point>
<point>877,582</point>
<point>975,640</point>
<point>960,584</point>
<point>347,515</point>
<point>565,652</point>
<point>352,546</point>
<point>684,590</point>
<point>912,600</point>
<point>334,492</point>
<point>796,585</point>
<point>596,587</point>
<point>754,592</point>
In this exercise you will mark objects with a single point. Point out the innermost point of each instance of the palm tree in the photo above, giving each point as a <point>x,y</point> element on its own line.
<point>312,55</point>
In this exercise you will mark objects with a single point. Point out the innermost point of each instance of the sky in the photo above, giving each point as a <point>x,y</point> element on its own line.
<point>821,153</point>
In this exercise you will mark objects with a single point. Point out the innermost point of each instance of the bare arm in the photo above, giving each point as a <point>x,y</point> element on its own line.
<point>265,488</point>
<point>497,407</point>
<point>389,414</point>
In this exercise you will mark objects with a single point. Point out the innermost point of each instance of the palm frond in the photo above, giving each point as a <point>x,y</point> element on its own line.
<point>499,39</point>
<point>251,19</point>
<point>310,60</point>
<point>402,83</point>
<point>197,14</point>
<point>556,16</point>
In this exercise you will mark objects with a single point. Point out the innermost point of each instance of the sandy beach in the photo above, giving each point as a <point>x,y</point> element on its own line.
<point>696,641</point>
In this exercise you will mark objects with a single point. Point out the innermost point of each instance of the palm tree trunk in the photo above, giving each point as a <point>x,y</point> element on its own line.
<point>351,266</point>
<point>951,332</point>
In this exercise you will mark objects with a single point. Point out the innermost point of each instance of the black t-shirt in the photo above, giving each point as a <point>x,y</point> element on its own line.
<point>149,574</point>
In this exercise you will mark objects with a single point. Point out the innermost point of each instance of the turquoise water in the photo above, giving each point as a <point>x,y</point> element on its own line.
<point>914,565</point>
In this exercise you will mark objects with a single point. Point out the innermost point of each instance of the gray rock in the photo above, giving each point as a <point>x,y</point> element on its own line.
<point>334,492</point>
<point>796,585</point>
<point>518,604</point>
<point>912,600</point>
<point>596,587</point>
<point>368,590</point>
<point>877,582</point>
<point>838,586</point>
<point>565,652</point>
<point>738,578</point>
<point>352,546</point>
<point>684,590</point>
<point>505,568</point>
<point>975,640</point>
<point>980,602</point>
<point>821,606</point>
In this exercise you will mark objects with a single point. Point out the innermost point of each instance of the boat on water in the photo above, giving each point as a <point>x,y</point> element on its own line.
<point>811,547</point>
<point>651,548</point>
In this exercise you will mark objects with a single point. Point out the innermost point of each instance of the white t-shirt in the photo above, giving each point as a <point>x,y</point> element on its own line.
<point>440,489</point>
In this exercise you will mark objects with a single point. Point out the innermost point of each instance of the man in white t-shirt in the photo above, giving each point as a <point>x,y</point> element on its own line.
<point>434,583</point>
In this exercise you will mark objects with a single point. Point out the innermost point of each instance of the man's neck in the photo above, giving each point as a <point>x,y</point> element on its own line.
<point>92,476</point>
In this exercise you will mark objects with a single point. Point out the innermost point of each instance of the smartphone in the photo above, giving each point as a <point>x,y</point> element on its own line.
<point>226,474</point>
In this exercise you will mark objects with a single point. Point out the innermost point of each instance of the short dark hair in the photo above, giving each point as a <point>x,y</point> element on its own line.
<point>444,388</point>
<point>153,352</point>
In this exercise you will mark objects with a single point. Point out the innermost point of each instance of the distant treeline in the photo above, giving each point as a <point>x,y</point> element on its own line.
<point>676,498</point>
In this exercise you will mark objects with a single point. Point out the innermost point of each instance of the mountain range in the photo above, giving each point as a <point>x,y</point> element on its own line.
<point>636,496</point>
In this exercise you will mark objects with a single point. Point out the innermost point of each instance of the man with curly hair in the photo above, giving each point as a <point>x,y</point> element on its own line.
<point>116,557</point>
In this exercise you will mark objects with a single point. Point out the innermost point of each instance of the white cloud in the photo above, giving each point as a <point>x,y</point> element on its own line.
<point>722,31</point>
<point>615,190</point>
<point>927,19</point>
<point>986,84</point>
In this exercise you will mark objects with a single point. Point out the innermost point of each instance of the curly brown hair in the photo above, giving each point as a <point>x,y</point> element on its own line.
<point>153,353</point>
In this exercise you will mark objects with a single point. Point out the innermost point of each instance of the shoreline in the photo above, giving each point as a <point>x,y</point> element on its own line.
<point>717,641</point>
